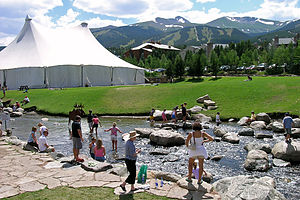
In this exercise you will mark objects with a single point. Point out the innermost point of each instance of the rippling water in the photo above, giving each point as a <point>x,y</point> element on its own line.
<point>287,179</point>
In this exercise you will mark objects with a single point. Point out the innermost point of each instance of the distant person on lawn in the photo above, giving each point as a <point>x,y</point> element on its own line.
<point>25,100</point>
<point>114,139</point>
<point>287,125</point>
<point>77,138</point>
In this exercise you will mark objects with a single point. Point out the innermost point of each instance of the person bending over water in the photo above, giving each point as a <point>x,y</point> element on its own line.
<point>197,137</point>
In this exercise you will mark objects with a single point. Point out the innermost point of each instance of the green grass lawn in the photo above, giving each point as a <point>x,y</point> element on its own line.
<point>91,193</point>
<point>234,96</point>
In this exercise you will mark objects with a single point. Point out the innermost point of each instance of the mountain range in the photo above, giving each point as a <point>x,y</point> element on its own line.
<point>179,31</point>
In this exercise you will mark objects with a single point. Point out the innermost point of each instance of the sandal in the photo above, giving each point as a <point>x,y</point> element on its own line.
<point>133,190</point>
<point>200,182</point>
<point>123,188</point>
<point>188,180</point>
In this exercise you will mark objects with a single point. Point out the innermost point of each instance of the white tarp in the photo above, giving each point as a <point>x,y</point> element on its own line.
<point>40,57</point>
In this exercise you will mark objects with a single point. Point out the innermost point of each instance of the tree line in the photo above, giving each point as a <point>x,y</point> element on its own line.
<point>277,60</point>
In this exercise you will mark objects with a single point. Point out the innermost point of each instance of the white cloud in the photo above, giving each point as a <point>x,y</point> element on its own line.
<point>205,1</point>
<point>5,38</point>
<point>97,22</point>
<point>68,18</point>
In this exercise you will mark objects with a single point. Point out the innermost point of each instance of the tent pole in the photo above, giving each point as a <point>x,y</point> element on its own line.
<point>112,75</point>
<point>135,75</point>
<point>81,75</point>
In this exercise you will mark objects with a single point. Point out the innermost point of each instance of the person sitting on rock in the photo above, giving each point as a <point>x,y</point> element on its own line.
<point>32,140</point>
<point>252,117</point>
<point>92,146</point>
<point>25,100</point>
<point>42,128</point>
<point>18,105</point>
<point>43,144</point>
<point>99,151</point>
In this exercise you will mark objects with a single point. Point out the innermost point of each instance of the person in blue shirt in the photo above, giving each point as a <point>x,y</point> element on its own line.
<point>130,161</point>
<point>287,125</point>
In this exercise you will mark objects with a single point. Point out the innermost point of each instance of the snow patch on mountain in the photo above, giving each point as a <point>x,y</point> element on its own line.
<point>265,22</point>
<point>232,19</point>
<point>173,26</point>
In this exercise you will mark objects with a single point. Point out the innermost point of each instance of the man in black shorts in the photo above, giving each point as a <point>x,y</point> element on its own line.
<point>77,138</point>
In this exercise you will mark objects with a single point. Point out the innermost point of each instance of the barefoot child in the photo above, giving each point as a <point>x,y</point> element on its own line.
<point>92,147</point>
<point>196,170</point>
<point>99,151</point>
<point>96,123</point>
<point>114,130</point>
<point>164,117</point>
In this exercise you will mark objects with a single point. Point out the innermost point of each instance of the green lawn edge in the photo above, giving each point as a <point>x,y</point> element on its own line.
<point>91,193</point>
<point>234,97</point>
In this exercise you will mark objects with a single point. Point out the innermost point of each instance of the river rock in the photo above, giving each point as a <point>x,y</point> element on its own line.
<point>212,107</point>
<point>257,160</point>
<point>269,127</point>
<point>159,152</point>
<point>144,132</point>
<point>219,132</point>
<point>95,166</point>
<point>195,109</point>
<point>277,127</point>
<point>243,121</point>
<point>261,135</point>
<point>295,133</point>
<point>258,125</point>
<point>208,177</point>
<point>246,132</point>
<point>165,175</point>
<point>118,169</point>
<point>20,110</point>
<point>231,120</point>
<point>263,117</point>
<point>287,151</point>
<point>209,103</point>
<point>280,163</point>
<point>231,138</point>
<point>201,118</point>
<point>247,187</point>
<point>157,115</point>
<point>296,122</point>
<point>167,138</point>
<point>172,125</point>
<point>258,146</point>
<point>187,125</point>
<point>8,109</point>
<point>217,157</point>
<point>16,114</point>
<point>201,99</point>
<point>193,186</point>
<point>56,155</point>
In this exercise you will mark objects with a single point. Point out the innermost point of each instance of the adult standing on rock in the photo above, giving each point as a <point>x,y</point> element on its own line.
<point>77,138</point>
<point>183,110</point>
<point>196,149</point>
<point>130,161</point>
<point>287,125</point>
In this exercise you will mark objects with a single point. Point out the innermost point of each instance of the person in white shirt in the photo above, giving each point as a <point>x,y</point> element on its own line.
<point>218,120</point>
<point>42,128</point>
<point>43,145</point>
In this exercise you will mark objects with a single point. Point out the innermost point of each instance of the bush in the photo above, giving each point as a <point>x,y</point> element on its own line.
<point>274,70</point>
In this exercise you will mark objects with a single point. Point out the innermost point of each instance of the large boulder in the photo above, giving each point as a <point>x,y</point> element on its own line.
<point>20,110</point>
<point>16,114</point>
<point>95,166</point>
<point>144,132</point>
<point>212,107</point>
<point>195,109</point>
<point>219,132</point>
<point>257,160</point>
<point>258,146</point>
<point>246,132</point>
<point>201,118</point>
<point>262,135</point>
<point>243,121</point>
<point>8,109</point>
<point>157,115</point>
<point>295,133</point>
<point>263,117</point>
<point>165,175</point>
<point>167,138</point>
<point>172,125</point>
<point>208,103</point>
<point>296,122</point>
<point>247,187</point>
<point>231,138</point>
<point>277,127</point>
<point>287,151</point>
<point>280,163</point>
<point>258,125</point>
<point>201,99</point>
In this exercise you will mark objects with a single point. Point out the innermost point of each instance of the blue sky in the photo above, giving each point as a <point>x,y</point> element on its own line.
<point>99,13</point>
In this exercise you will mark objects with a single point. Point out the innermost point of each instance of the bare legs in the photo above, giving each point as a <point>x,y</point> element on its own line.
<point>114,145</point>
<point>191,161</point>
<point>201,160</point>
<point>75,152</point>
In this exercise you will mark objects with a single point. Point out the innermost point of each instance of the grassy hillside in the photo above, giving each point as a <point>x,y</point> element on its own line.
<point>234,96</point>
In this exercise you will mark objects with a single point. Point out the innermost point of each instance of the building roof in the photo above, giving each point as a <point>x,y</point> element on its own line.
<point>156,45</point>
<point>282,41</point>
<point>37,46</point>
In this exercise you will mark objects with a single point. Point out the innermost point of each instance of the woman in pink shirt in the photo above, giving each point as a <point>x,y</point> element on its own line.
<point>99,151</point>
<point>114,130</point>
<point>96,122</point>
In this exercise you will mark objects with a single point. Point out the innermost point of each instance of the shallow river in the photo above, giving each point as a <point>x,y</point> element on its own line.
<point>287,179</point>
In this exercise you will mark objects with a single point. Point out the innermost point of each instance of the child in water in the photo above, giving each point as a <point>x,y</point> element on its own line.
<point>92,146</point>
<point>196,170</point>
<point>96,123</point>
<point>114,130</point>
<point>164,117</point>
<point>99,151</point>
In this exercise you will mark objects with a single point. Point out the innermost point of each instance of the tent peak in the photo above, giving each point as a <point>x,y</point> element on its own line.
<point>28,18</point>
<point>84,24</point>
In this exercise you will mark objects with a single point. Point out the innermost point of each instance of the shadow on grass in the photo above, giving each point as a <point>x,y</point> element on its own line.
<point>178,80</point>
<point>215,79</point>
<point>195,80</point>
<point>126,197</point>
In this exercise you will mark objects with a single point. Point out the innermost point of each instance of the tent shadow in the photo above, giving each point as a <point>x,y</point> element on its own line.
<point>215,79</point>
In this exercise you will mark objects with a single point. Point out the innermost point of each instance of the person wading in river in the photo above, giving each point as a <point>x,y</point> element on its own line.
<point>77,138</point>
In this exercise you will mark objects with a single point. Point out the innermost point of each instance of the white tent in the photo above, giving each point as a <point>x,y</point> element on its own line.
<point>41,57</point>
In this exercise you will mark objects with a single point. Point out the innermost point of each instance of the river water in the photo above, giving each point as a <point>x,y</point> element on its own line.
<point>287,179</point>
